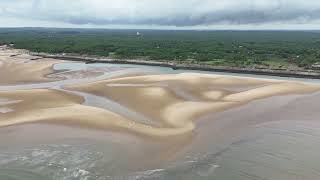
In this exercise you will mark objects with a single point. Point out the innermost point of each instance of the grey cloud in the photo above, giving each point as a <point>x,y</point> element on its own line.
<point>164,12</point>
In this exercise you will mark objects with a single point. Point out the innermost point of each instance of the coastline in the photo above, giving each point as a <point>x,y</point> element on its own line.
<point>174,122</point>
<point>309,74</point>
<point>172,102</point>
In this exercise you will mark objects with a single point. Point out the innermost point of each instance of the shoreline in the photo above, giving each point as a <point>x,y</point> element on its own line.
<point>184,66</point>
<point>176,113</point>
<point>209,125</point>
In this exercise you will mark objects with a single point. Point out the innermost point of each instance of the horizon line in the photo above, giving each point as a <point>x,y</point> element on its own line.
<point>164,29</point>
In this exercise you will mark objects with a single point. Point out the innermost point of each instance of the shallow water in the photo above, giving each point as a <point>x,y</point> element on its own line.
<point>167,70</point>
<point>222,149</point>
<point>104,103</point>
<point>251,142</point>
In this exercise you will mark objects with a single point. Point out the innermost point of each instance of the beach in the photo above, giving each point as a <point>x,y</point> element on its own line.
<point>176,122</point>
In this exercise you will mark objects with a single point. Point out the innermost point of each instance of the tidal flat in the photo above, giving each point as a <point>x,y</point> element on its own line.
<point>67,120</point>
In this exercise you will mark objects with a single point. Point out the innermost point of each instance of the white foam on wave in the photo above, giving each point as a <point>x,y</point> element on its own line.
<point>148,174</point>
<point>81,174</point>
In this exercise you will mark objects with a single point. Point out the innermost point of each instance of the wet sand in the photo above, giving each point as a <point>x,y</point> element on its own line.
<point>174,101</point>
<point>162,104</point>
<point>165,119</point>
<point>18,67</point>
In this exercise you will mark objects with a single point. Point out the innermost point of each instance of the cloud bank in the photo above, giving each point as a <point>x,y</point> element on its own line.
<point>177,13</point>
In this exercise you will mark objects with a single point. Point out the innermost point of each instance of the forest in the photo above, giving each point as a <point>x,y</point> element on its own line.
<point>260,49</point>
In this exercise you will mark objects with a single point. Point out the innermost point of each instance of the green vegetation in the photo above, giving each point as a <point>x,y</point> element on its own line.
<point>263,49</point>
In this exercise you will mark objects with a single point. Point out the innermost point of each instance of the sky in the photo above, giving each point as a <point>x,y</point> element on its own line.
<point>162,14</point>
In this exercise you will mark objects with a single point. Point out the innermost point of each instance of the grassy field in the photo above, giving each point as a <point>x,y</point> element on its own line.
<point>262,49</point>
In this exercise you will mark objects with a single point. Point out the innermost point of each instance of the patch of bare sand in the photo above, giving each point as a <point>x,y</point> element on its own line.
<point>15,70</point>
<point>195,79</point>
<point>162,104</point>
<point>18,67</point>
<point>272,90</point>
<point>202,86</point>
<point>53,106</point>
<point>33,106</point>
<point>155,96</point>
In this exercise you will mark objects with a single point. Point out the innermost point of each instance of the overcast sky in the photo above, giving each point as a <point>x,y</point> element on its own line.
<point>162,14</point>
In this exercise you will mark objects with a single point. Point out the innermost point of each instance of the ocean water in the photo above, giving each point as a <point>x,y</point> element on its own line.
<point>281,150</point>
